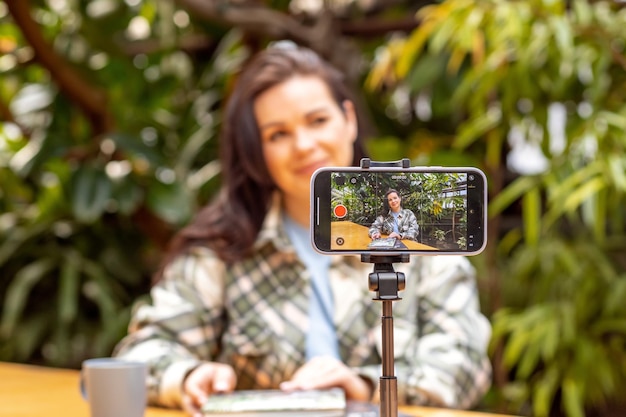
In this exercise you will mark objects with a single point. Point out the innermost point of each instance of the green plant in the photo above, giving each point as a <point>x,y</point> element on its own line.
<point>549,76</point>
<point>89,195</point>
<point>439,234</point>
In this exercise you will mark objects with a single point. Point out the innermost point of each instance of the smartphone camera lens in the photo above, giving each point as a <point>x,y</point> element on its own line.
<point>340,180</point>
<point>471,177</point>
<point>340,241</point>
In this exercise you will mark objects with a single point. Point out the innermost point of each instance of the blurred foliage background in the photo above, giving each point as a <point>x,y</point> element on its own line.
<point>109,112</point>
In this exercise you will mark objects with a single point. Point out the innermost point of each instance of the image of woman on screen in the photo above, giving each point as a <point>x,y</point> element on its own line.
<point>242,300</point>
<point>396,221</point>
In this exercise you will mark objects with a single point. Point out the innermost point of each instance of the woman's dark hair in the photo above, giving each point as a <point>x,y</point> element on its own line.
<point>231,223</point>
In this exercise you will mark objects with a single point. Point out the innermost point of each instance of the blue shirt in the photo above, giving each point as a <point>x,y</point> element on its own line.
<point>321,339</point>
<point>395,221</point>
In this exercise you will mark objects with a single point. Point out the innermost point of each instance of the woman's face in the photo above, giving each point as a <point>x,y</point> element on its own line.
<point>302,129</point>
<point>394,201</point>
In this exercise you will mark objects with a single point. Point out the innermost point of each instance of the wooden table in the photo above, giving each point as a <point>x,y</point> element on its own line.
<point>356,236</point>
<point>34,391</point>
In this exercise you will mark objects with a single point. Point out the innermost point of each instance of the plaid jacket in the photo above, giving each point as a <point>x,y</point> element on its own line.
<point>407,224</point>
<point>253,316</point>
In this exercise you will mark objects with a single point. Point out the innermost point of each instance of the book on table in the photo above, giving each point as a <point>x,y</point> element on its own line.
<point>253,403</point>
<point>386,243</point>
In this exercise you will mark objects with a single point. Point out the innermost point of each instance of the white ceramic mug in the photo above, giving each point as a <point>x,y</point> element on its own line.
<point>114,387</point>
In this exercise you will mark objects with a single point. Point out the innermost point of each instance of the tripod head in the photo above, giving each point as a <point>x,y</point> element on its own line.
<point>384,280</point>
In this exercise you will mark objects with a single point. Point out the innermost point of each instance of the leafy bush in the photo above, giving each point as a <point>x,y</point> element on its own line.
<point>90,195</point>
<point>547,77</point>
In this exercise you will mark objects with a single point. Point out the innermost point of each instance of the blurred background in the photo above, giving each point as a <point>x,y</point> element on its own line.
<point>109,112</point>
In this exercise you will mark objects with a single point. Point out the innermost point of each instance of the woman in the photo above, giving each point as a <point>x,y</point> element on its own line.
<point>396,222</point>
<point>244,302</point>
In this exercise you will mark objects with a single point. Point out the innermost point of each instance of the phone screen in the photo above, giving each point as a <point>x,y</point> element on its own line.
<point>427,210</point>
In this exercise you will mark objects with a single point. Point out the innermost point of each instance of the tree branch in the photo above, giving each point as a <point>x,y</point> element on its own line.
<point>378,7</point>
<point>188,43</point>
<point>256,19</point>
<point>323,35</point>
<point>376,27</point>
<point>5,113</point>
<point>89,98</point>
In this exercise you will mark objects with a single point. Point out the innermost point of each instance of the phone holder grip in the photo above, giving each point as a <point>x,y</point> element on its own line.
<point>368,163</point>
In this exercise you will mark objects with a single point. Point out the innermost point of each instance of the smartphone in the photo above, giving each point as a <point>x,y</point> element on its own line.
<point>393,210</point>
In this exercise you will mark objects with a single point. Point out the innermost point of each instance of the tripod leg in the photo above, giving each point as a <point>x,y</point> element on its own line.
<point>388,397</point>
<point>388,382</point>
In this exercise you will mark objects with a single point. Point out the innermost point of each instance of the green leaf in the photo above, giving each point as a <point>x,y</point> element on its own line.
<point>19,290</point>
<point>509,242</point>
<point>515,347</point>
<point>469,132</point>
<point>595,215</point>
<point>614,301</point>
<point>531,214</point>
<point>172,202</point>
<point>583,193</point>
<point>562,34</point>
<point>613,119</point>
<point>413,47</point>
<point>617,170</point>
<point>574,199</point>
<point>441,39</point>
<point>565,187</point>
<point>100,290</point>
<point>569,329</point>
<point>68,287</point>
<point>426,71</point>
<point>512,193</point>
<point>606,327</point>
<point>550,340</point>
<point>18,237</point>
<point>544,391</point>
<point>572,398</point>
<point>28,336</point>
<point>127,194</point>
<point>190,151</point>
<point>530,357</point>
<point>583,12</point>
<point>134,148</point>
<point>90,194</point>
<point>568,261</point>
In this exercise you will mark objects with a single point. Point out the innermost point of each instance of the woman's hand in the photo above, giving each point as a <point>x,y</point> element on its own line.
<point>327,372</point>
<point>396,235</point>
<point>375,235</point>
<point>206,379</point>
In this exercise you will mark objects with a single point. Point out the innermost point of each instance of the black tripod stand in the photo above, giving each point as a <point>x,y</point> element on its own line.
<point>386,283</point>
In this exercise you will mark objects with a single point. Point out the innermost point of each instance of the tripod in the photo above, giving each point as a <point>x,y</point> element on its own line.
<point>386,283</point>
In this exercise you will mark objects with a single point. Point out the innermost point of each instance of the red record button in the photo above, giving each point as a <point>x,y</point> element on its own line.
<point>340,211</point>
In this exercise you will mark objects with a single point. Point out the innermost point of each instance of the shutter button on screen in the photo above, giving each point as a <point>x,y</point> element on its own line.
<point>340,211</point>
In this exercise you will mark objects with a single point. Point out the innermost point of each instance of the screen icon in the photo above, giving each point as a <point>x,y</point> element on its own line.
<point>340,211</point>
